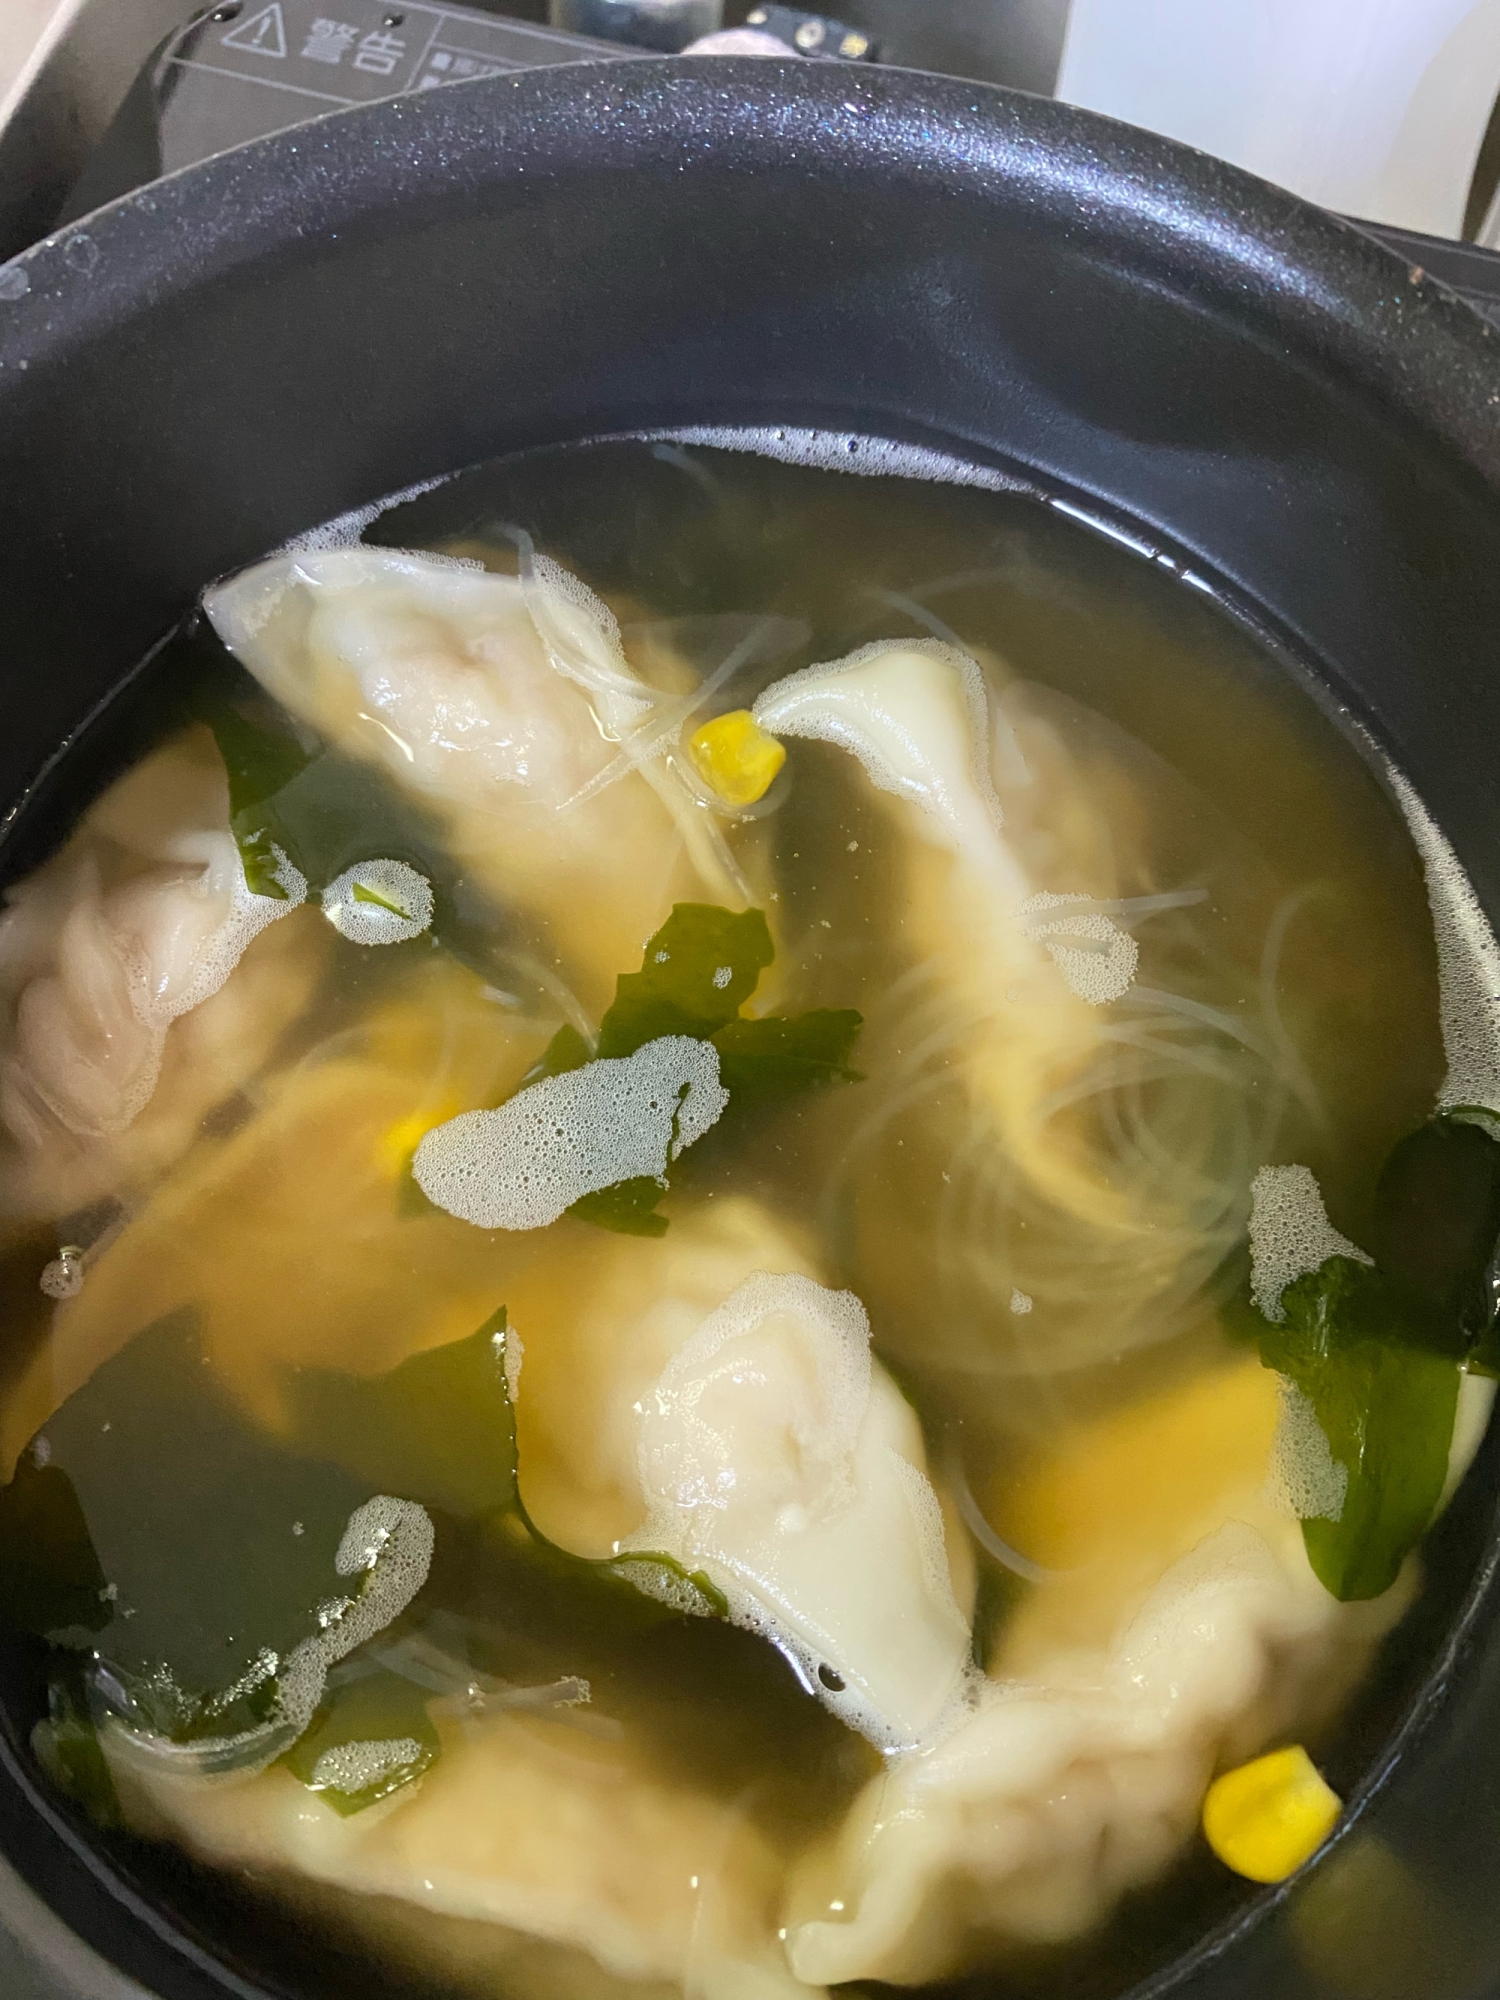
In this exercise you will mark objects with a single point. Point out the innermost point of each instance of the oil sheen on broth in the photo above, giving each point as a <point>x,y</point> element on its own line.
<point>721,1195</point>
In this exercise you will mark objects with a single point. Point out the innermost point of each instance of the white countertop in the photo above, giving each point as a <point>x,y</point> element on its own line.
<point>24,24</point>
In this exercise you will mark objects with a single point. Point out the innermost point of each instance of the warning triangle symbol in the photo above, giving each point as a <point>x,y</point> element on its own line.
<point>264,34</point>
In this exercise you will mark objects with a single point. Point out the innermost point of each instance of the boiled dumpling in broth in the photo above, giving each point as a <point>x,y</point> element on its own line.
<point>777,1458</point>
<point>551,1822</point>
<point>1060,1792</point>
<point>507,705</point>
<point>1098,1159</point>
<point>600,1318</point>
<point>123,1024</point>
<point>317,1168</point>
<point>1181,1631</point>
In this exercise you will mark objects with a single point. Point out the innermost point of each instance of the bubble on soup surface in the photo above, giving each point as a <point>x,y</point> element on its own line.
<point>524,1165</point>
<point>379,902</point>
<point>356,1767</point>
<point>846,451</point>
<point>1306,1481</point>
<point>347,531</point>
<point>1468,964</point>
<point>63,1277</point>
<point>1290,1234</point>
<point>1096,958</point>
<point>513,1350</point>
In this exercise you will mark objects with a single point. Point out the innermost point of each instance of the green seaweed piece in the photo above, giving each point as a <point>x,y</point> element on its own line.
<point>219,1545</point>
<point>628,1208</point>
<point>1360,1346</point>
<point>325,812</point>
<point>363,895</point>
<point>260,761</point>
<point>566,1051</point>
<point>259,757</point>
<point>1437,1219</point>
<point>262,864</point>
<point>220,1541</point>
<point>779,1056</point>
<point>438,1429</point>
<point>51,1578</point>
<point>696,973</point>
<point>366,1714</point>
<point>66,1745</point>
<point>663,1577</point>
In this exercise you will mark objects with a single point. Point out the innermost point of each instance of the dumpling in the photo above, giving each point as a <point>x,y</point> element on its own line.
<point>1054,1797</point>
<point>363,1276</point>
<point>115,963</point>
<point>612,1332</point>
<point>779,1459</point>
<point>539,1822</point>
<point>317,1168</point>
<point>600,1317</point>
<point>1102,1132</point>
<point>507,705</point>
<point>1182,1632</point>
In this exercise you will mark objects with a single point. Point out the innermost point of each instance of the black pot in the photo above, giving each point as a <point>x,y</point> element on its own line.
<point>191,376</point>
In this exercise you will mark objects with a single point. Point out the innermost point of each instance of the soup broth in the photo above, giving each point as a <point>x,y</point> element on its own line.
<point>698,1157</point>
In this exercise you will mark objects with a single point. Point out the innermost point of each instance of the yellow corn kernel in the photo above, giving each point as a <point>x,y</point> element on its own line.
<point>1268,1817</point>
<point>735,755</point>
<point>399,1141</point>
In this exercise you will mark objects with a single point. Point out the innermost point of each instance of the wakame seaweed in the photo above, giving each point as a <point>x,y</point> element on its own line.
<point>261,758</point>
<point>1437,1222</point>
<point>697,972</point>
<point>158,1537</point>
<point>1378,1348</point>
<point>327,812</point>
<point>1354,1342</point>
<point>371,1736</point>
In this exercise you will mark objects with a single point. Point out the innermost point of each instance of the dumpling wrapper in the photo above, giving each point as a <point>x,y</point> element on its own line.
<point>527,1822</point>
<point>497,700</point>
<point>1008,922</point>
<point>1181,1631</point>
<point>1043,1807</point>
<point>359,1280</point>
<point>779,1459</point>
<point>122,1025</point>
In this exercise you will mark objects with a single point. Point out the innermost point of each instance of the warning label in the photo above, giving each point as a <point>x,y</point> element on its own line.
<point>264,34</point>
<point>342,52</point>
<point>247,69</point>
